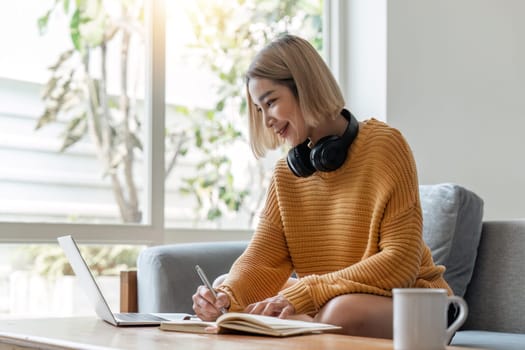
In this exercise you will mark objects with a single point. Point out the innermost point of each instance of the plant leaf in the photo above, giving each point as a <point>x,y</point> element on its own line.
<point>74,26</point>
<point>42,23</point>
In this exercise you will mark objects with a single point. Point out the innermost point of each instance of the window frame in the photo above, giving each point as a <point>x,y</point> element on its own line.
<point>153,230</point>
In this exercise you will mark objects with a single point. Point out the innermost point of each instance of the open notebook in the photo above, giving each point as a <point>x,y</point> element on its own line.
<point>248,323</point>
<point>90,286</point>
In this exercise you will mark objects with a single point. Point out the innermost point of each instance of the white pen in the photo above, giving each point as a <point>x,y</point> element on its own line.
<point>207,283</point>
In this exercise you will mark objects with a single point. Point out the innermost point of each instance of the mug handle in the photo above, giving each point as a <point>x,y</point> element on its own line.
<point>462,317</point>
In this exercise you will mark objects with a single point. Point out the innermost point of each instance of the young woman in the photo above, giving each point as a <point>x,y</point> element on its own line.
<point>342,210</point>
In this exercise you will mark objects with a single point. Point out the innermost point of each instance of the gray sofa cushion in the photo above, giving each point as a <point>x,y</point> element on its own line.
<point>489,340</point>
<point>452,219</point>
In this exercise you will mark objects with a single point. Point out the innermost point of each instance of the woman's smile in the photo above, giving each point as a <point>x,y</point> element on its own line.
<point>283,131</point>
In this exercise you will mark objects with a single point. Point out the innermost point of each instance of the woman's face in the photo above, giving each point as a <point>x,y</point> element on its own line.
<point>279,109</point>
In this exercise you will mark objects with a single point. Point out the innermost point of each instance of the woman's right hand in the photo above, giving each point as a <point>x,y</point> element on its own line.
<point>206,307</point>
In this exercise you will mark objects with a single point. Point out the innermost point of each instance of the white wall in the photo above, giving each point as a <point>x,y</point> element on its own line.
<point>455,87</point>
<point>366,47</point>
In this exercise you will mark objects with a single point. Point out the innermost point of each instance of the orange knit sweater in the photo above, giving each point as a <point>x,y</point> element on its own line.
<point>354,230</point>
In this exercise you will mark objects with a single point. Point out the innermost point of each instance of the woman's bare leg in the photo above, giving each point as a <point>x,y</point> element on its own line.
<point>364,315</point>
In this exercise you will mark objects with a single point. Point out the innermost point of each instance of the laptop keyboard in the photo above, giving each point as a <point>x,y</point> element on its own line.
<point>138,317</point>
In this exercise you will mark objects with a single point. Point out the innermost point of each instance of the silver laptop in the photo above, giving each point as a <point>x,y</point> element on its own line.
<point>90,286</point>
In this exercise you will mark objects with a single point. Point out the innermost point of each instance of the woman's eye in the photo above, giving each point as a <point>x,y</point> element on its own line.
<point>270,102</point>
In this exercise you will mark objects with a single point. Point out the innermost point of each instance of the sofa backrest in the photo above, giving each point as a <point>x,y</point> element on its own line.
<point>495,293</point>
<point>166,275</point>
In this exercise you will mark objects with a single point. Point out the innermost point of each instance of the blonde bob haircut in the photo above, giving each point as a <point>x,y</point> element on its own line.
<point>294,63</point>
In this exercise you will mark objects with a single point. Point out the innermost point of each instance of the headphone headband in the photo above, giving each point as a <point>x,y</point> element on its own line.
<point>353,127</point>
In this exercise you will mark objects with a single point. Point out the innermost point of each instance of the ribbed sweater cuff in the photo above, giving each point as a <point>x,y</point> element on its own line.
<point>299,296</point>
<point>234,304</point>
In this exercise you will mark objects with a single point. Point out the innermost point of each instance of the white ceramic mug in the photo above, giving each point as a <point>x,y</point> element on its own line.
<point>420,318</point>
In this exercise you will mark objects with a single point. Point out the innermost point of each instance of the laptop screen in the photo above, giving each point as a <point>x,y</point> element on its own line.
<point>86,279</point>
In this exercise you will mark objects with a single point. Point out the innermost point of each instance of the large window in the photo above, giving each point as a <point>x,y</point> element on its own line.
<point>74,137</point>
<point>119,129</point>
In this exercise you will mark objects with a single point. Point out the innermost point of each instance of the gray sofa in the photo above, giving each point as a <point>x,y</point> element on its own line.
<point>484,263</point>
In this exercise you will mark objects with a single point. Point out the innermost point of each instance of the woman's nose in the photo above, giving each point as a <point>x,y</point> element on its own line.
<point>268,121</point>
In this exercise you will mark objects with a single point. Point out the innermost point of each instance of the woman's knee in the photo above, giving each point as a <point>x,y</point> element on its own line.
<point>341,311</point>
<point>359,314</point>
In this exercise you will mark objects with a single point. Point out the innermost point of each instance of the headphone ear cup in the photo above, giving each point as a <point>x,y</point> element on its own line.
<point>298,160</point>
<point>328,154</point>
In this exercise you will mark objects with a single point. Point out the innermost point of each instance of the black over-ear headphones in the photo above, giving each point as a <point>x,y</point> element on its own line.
<point>328,154</point>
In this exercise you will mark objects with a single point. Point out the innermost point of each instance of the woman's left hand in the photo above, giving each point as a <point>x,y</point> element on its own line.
<point>274,306</point>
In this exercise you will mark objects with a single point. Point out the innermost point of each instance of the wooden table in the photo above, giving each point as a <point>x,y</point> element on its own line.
<point>89,333</point>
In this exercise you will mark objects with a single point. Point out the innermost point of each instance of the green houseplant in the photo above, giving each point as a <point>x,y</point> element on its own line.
<point>78,91</point>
